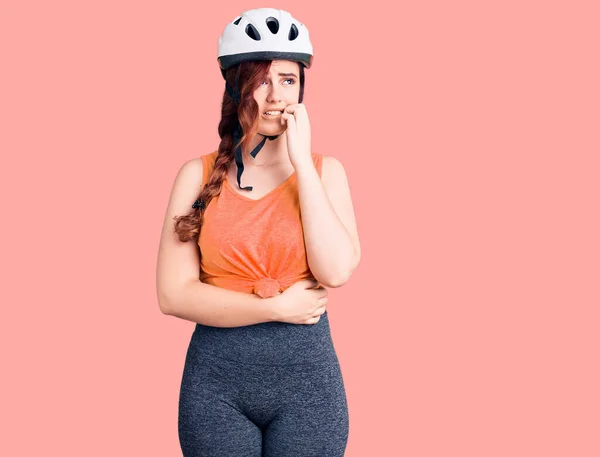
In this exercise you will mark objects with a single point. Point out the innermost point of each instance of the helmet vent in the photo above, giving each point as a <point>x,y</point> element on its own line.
<point>273,24</point>
<point>252,32</point>
<point>237,21</point>
<point>293,32</point>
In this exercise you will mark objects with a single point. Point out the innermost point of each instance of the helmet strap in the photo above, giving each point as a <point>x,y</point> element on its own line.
<point>235,94</point>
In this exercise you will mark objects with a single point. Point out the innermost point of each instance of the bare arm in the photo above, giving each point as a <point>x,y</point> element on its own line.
<point>328,221</point>
<point>179,290</point>
<point>218,307</point>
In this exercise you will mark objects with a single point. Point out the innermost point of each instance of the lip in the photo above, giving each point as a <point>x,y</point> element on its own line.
<point>266,116</point>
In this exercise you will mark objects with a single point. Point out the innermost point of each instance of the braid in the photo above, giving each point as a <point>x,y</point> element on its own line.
<point>188,226</point>
<point>245,113</point>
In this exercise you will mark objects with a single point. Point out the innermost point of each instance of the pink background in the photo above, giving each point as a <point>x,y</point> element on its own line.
<point>470,135</point>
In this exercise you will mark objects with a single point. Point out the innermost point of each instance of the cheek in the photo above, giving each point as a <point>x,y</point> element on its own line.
<point>293,95</point>
<point>259,95</point>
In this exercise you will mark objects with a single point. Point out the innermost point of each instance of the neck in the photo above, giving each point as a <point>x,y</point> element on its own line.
<point>274,152</point>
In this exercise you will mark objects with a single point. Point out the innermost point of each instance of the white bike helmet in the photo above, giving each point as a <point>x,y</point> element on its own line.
<point>262,34</point>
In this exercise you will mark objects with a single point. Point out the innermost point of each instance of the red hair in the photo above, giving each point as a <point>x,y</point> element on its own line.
<point>251,75</point>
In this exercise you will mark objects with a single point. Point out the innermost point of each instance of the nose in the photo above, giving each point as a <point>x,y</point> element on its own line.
<point>274,96</point>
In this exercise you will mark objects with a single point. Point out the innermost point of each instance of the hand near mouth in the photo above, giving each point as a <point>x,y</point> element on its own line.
<point>297,134</point>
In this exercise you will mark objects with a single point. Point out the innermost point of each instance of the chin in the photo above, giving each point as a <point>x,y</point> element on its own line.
<point>272,130</point>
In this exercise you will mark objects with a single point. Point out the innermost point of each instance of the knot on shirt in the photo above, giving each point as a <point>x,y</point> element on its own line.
<point>266,287</point>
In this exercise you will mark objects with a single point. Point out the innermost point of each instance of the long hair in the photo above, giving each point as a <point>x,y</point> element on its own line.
<point>251,75</point>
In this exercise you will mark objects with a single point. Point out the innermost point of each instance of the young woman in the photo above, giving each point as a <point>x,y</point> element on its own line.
<point>249,244</point>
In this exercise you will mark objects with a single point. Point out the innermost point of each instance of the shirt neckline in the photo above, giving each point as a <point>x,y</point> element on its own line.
<point>271,192</point>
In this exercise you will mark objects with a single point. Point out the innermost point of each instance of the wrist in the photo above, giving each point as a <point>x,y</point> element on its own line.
<point>303,164</point>
<point>271,307</point>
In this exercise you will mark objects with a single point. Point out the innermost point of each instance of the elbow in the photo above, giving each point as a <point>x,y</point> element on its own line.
<point>328,281</point>
<point>338,280</point>
<point>343,278</point>
<point>164,303</point>
<point>164,308</point>
<point>335,282</point>
<point>171,297</point>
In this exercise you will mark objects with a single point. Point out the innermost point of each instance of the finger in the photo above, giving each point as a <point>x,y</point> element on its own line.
<point>291,126</point>
<point>288,117</point>
<point>299,109</point>
<point>294,110</point>
<point>300,118</point>
<point>291,108</point>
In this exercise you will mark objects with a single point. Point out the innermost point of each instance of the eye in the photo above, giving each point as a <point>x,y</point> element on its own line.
<point>292,82</point>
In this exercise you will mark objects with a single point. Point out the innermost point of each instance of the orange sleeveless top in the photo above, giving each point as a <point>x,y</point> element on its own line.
<point>253,246</point>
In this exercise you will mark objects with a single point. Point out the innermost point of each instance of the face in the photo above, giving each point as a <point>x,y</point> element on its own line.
<point>282,88</point>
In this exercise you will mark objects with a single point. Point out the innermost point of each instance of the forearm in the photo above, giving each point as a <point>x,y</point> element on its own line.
<point>329,247</point>
<point>216,306</point>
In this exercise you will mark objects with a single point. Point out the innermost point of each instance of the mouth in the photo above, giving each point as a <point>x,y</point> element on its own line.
<point>272,114</point>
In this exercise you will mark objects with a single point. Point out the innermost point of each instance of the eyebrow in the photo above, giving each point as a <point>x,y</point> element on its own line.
<point>288,74</point>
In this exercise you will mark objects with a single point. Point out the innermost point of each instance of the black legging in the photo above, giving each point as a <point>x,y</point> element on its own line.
<point>264,390</point>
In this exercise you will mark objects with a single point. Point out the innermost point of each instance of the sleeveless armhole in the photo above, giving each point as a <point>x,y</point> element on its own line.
<point>208,163</point>
<point>204,171</point>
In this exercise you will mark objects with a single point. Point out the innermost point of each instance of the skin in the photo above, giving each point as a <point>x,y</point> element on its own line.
<point>290,151</point>
<point>275,93</point>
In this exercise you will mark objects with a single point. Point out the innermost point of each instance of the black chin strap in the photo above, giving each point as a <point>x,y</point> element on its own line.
<point>238,132</point>
<point>237,135</point>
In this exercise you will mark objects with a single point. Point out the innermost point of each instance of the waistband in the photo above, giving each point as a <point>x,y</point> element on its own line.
<point>267,343</point>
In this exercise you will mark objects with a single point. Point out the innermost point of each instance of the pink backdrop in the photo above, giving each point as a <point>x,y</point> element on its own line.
<point>470,135</point>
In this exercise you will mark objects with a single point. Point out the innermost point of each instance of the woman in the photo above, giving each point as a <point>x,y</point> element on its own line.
<point>261,375</point>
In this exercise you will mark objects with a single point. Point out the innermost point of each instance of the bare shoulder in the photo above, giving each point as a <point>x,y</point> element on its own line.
<point>191,167</point>
<point>190,177</point>
<point>333,172</point>
<point>185,189</point>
